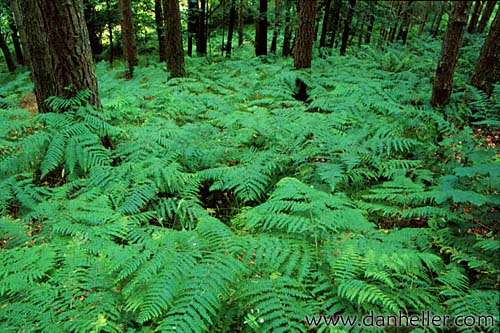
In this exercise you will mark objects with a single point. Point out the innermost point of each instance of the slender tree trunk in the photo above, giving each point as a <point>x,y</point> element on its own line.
<point>160,31</point>
<point>478,4</point>
<point>369,29</point>
<point>109,18</point>
<point>485,17</point>
<point>128,36</point>
<point>326,21</point>
<point>230,30</point>
<point>347,27</point>
<point>392,32</point>
<point>261,30</point>
<point>11,65</point>
<point>276,32</point>
<point>361,30</point>
<point>287,34</point>
<point>91,21</point>
<point>15,41</point>
<point>305,34</point>
<point>60,53</point>
<point>487,70</point>
<point>192,24</point>
<point>424,18</point>
<point>337,5</point>
<point>435,28</point>
<point>240,23</point>
<point>201,37</point>
<point>405,23</point>
<point>173,29</point>
<point>22,32</point>
<point>441,90</point>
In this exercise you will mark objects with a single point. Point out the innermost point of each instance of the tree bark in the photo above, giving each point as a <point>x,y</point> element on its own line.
<point>326,21</point>
<point>15,41</point>
<point>337,5</point>
<point>11,65</point>
<point>475,16</point>
<point>276,32</point>
<point>192,24</point>
<point>485,17</point>
<point>240,23</point>
<point>201,37</point>
<point>160,31</point>
<point>175,52</point>
<point>230,29</point>
<point>487,70</point>
<point>347,27</point>
<point>287,34</point>
<point>128,36</point>
<point>441,90</point>
<point>22,32</point>
<point>261,30</point>
<point>60,49</point>
<point>302,54</point>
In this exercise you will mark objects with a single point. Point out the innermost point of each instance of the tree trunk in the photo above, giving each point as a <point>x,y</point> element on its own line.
<point>11,65</point>
<point>487,70</point>
<point>405,23</point>
<point>302,54</point>
<point>437,19</point>
<point>15,40</point>
<point>173,29</point>
<point>287,34</point>
<point>488,10</point>
<point>128,36</point>
<point>441,90</point>
<point>347,27</point>
<point>326,21</point>
<point>261,30</point>
<point>240,23</point>
<point>475,16</point>
<point>91,21</point>
<point>22,32</point>
<point>337,5</point>
<point>369,29</point>
<point>160,31</point>
<point>192,24</point>
<point>230,29</point>
<point>424,18</point>
<point>361,29</point>
<point>109,18</point>
<point>201,37</point>
<point>60,49</point>
<point>276,32</point>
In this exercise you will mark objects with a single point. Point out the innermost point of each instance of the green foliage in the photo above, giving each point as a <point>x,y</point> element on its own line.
<point>225,205</point>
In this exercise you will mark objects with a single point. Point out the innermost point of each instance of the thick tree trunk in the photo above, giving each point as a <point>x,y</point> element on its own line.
<point>302,54</point>
<point>277,24</point>
<point>201,36</point>
<point>347,27</point>
<point>160,31</point>
<point>240,23</point>
<point>109,19</point>
<point>485,17</point>
<point>287,34</point>
<point>261,30</point>
<point>475,16</point>
<point>487,70</point>
<point>11,65</point>
<point>326,21</point>
<point>192,24</point>
<point>369,29</point>
<point>337,5</point>
<point>60,49</point>
<point>128,36</point>
<point>22,32</point>
<point>441,90</point>
<point>175,52</point>
<point>230,29</point>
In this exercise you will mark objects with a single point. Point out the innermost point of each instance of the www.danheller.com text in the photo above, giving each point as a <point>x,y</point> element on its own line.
<point>423,319</point>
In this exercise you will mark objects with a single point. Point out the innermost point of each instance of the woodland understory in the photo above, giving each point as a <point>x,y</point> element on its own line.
<point>221,203</point>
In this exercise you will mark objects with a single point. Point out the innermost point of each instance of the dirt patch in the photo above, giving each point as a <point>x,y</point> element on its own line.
<point>28,101</point>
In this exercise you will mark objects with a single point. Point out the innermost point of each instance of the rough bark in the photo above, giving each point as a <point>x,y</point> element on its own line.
<point>347,27</point>
<point>11,65</point>
<point>487,70</point>
<point>240,23</point>
<point>230,29</point>
<point>302,54</point>
<point>287,34</point>
<point>478,4</point>
<point>261,30</point>
<point>201,36</point>
<point>60,49</point>
<point>442,87</point>
<point>128,36</point>
<point>192,24</point>
<point>277,25</point>
<point>485,17</point>
<point>337,5</point>
<point>326,21</point>
<point>160,31</point>
<point>173,29</point>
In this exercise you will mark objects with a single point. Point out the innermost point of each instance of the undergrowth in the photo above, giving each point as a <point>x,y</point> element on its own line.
<point>226,205</point>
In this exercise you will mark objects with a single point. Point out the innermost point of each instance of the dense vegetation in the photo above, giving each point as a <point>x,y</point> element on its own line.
<point>224,204</point>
